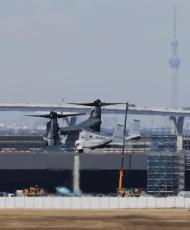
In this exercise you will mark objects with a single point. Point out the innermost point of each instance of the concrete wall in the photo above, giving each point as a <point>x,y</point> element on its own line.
<point>93,202</point>
<point>59,160</point>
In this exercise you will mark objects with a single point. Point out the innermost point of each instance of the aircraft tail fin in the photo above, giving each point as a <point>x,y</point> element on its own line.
<point>118,133</point>
<point>135,127</point>
<point>134,133</point>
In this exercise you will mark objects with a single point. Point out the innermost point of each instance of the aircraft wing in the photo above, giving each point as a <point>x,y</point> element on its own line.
<point>98,144</point>
<point>70,129</point>
<point>102,143</point>
<point>74,128</point>
<point>116,109</point>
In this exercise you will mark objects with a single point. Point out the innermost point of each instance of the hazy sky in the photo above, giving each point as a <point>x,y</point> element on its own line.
<point>86,49</point>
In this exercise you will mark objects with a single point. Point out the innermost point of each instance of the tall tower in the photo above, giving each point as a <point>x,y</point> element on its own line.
<point>174,63</point>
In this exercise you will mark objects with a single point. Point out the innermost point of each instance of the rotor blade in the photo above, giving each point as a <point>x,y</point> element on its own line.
<point>48,127</point>
<point>57,115</point>
<point>69,115</point>
<point>43,116</point>
<point>93,104</point>
<point>106,104</point>
<point>85,104</point>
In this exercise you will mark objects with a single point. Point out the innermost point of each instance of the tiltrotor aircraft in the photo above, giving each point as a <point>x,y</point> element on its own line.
<point>92,123</point>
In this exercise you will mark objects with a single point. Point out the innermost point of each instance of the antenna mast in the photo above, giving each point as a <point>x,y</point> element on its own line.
<point>174,62</point>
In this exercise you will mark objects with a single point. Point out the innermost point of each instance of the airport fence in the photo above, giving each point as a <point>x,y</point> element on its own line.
<point>93,202</point>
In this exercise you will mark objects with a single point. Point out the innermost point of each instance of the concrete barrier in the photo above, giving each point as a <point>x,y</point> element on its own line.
<point>142,202</point>
<point>10,202</point>
<point>150,202</point>
<point>57,202</point>
<point>122,202</point>
<point>48,202</point>
<point>2,202</point>
<point>19,202</point>
<point>104,202</point>
<point>170,202</point>
<point>75,202</point>
<point>38,202</point>
<point>66,202</point>
<point>160,202</point>
<point>94,202</point>
<point>132,202</point>
<point>187,202</point>
<point>113,202</point>
<point>29,202</point>
<point>85,203</point>
<point>179,202</point>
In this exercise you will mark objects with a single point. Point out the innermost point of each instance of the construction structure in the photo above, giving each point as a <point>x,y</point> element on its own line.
<point>165,173</point>
<point>165,166</point>
<point>163,142</point>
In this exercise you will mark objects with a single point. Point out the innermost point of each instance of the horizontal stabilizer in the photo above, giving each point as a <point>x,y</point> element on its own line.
<point>133,136</point>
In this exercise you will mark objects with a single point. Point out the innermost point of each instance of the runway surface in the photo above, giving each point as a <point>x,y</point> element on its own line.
<point>154,219</point>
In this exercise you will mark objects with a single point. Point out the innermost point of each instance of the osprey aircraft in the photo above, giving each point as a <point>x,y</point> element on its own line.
<point>92,123</point>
